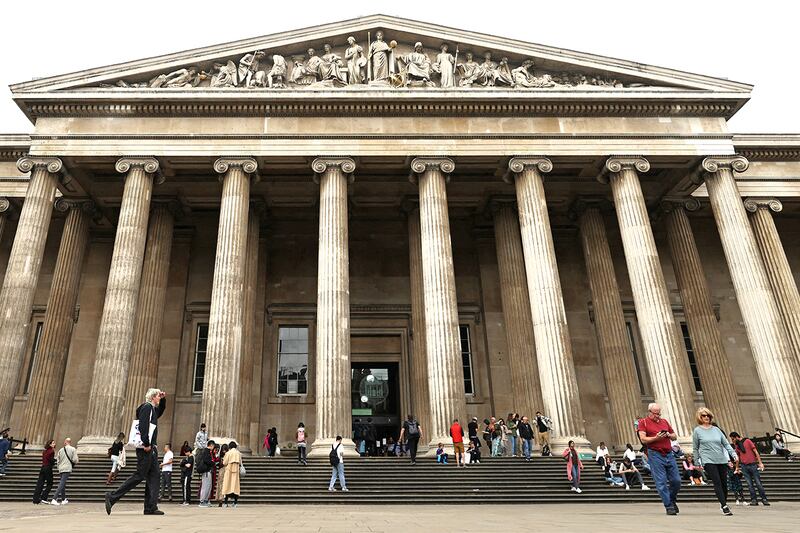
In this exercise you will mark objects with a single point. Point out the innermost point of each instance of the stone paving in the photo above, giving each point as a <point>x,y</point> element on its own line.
<point>781,517</point>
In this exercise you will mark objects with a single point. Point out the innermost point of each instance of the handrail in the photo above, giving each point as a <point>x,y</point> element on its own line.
<point>781,430</point>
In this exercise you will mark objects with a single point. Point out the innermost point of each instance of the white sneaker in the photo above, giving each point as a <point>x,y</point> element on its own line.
<point>331,490</point>
<point>64,501</point>
<point>627,487</point>
<point>54,502</point>
<point>345,490</point>
<point>578,491</point>
<point>703,483</point>
<point>645,487</point>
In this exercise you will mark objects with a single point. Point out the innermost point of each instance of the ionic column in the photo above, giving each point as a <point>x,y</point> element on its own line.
<point>553,349</point>
<point>226,322</point>
<point>616,357</point>
<point>514,298</point>
<point>713,364</point>
<point>146,347</point>
<point>663,346</point>
<point>114,340</point>
<point>333,306</point>
<point>445,370</point>
<point>4,206</point>
<point>47,378</point>
<point>777,266</point>
<point>776,363</point>
<point>419,354</point>
<point>22,273</point>
<point>249,348</point>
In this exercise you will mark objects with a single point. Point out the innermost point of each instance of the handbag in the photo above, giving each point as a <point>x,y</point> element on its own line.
<point>242,470</point>
<point>135,437</point>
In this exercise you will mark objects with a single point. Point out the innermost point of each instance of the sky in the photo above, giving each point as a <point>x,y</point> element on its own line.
<point>756,43</point>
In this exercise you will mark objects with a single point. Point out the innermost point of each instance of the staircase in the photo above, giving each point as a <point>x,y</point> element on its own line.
<point>394,480</point>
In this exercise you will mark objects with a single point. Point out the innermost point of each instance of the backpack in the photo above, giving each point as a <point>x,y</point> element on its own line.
<point>546,451</point>
<point>109,452</point>
<point>334,456</point>
<point>413,428</point>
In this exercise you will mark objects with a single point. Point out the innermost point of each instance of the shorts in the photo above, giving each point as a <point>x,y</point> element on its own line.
<point>458,447</point>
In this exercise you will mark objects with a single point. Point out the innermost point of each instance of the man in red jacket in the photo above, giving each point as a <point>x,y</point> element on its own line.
<point>457,434</point>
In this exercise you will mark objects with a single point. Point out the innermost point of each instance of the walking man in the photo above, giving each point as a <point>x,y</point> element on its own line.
<point>472,432</point>
<point>187,465</point>
<point>201,439</point>
<point>526,435</point>
<point>166,472</point>
<point>413,431</point>
<point>337,465</point>
<point>543,427</point>
<point>148,414</point>
<point>657,435</point>
<point>5,446</point>
<point>205,467</point>
<point>457,434</point>
<point>751,466</point>
<point>65,461</point>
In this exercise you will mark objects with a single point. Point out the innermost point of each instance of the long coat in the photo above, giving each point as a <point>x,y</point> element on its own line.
<point>568,456</point>
<point>232,460</point>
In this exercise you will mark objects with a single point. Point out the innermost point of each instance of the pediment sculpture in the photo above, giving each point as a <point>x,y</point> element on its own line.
<point>378,64</point>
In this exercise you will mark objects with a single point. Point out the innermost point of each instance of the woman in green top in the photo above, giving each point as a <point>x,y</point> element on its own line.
<point>714,453</point>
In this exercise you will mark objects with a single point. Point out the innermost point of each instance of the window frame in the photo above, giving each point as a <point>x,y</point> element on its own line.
<point>688,344</point>
<point>195,351</point>
<point>277,360</point>
<point>470,352</point>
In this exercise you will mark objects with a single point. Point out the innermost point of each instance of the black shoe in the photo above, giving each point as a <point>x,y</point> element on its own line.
<point>672,511</point>
<point>765,503</point>
<point>754,503</point>
<point>108,503</point>
<point>158,512</point>
<point>675,506</point>
<point>726,510</point>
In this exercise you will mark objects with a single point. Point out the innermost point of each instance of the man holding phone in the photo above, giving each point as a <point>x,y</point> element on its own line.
<point>657,435</point>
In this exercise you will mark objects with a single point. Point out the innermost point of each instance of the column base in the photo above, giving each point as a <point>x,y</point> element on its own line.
<point>322,448</point>
<point>93,445</point>
<point>685,442</point>
<point>559,444</point>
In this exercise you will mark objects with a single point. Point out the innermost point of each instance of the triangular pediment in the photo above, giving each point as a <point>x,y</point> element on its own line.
<point>284,63</point>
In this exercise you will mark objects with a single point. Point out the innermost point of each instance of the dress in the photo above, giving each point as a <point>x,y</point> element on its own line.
<point>230,483</point>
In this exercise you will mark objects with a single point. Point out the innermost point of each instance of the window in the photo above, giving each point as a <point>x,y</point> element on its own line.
<point>632,341</point>
<point>200,348</point>
<point>293,360</point>
<point>687,341</point>
<point>37,337</point>
<point>466,359</point>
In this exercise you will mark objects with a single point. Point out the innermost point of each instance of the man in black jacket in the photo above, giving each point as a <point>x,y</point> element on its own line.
<point>526,434</point>
<point>204,466</point>
<point>146,456</point>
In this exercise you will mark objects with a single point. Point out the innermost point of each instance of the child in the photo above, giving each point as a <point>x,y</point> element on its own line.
<point>441,455</point>
<point>474,453</point>
<point>735,486</point>
<point>693,472</point>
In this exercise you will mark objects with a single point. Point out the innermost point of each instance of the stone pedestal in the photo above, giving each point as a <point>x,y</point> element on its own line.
<point>445,368</point>
<point>146,347</point>
<point>779,273</point>
<point>776,363</point>
<point>114,340</point>
<point>515,300</point>
<point>619,368</point>
<point>553,349</point>
<point>333,308</point>
<point>663,345</point>
<point>713,365</point>
<point>225,323</point>
<point>22,273</point>
<point>47,378</point>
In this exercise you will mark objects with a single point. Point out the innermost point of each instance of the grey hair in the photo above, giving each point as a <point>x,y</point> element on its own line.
<point>151,393</point>
<point>652,406</point>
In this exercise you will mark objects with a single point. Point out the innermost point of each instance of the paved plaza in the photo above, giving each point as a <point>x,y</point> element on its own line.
<point>781,517</point>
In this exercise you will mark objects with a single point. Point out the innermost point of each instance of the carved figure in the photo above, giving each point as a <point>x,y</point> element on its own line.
<point>225,75</point>
<point>416,67</point>
<point>471,72</point>
<point>446,67</point>
<point>277,74</point>
<point>524,78</point>
<point>502,74</point>
<point>380,55</point>
<point>300,74</point>
<point>487,67</point>
<point>333,67</point>
<point>354,55</point>
<point>248,67</point>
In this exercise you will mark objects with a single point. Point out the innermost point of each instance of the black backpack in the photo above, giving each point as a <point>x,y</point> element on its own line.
<point>413,428</point>
<point>334,456</point>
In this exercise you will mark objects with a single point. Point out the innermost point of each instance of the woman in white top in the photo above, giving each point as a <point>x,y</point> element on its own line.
<point>602,451</point>
<point>301,444</point>
<point>629,453</point>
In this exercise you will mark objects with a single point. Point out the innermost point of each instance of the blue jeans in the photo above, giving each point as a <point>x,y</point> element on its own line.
<point>527,445</point>
<point>513,443</point>
<point>753,477</point>
<point>441,458</point>
<point>665,474</point>
<point>496,444</point>
<point>575,474</point>
<point>3,465</point>
<point>337,470</point>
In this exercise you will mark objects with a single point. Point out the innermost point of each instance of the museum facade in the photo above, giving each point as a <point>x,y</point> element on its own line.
<point>377,217</point>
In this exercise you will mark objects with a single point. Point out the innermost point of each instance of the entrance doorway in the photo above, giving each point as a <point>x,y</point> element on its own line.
<point>375,393</point>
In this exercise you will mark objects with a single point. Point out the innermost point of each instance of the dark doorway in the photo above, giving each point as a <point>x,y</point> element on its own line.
<point>375,404</point>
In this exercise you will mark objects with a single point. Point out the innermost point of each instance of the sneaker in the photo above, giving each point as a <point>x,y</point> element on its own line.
<point>331,490</point>
<point>745,503</point>
<point>578,491</point>
<point>204,504</point>
<point>753,503</point>
<point>627,487</point>
<point>235,505</point>
<point>738,502</point>
<point>345,489</point>
<point>64,501</point>
<point>572,489</point>
<point>108,503</point>
<point>157,512</point>
<point>703,483</point>
<point>54,502</point>
<point>185,503</point>
<point>765,503</point>
<point>675,506</point>
<point>726,510</point>
<point>672,511</point>
<point>645,487</point>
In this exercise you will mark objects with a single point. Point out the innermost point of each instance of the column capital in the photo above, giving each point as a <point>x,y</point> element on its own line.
<point>409,204</point>
<point>498,203</point>
<point>4,204</point>
<point>63,205</point>
<point>519,164</point>
<point>320,165</point>
<point>258,206</point>
<point>754,204</point>
<point>149,164</point>
<point>170,203</point>
<point>54,165</point>
<point>668,205</point>
<point>736,163</point>
<point>423,163</point>
<point>584,203</point>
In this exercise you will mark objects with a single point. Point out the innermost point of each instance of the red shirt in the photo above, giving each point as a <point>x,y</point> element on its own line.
<point>651,429</point>
<point>748,456</point>
<point>457,432</point>
<point>48,457</point>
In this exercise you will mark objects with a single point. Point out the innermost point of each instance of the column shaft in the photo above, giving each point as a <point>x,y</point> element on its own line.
<point>776,363</point>
<point>22,274</point>
<point>47,378</point>
<point>114,340</point>
<point>515,300</point>
<point>4,205</point>
<point>713,365</point>
<point>609,320</point>
<point>223,357</point>
<point>553,348</point>
<point>663,346</point>
<point>419,355</point>
<point>146,346</point>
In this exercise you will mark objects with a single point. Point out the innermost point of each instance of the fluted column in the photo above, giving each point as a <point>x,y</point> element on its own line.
<point>419,355</point>
<point>22,273</point>
<point>616,357</point>
<point>445,370</point>
<point>333,306</point>
<point>223,356</point>
<point>249,348</point>
<point>110,375</point>
<point>4,207</point>
<point>776,363</point>
<point>663,345</point>
<point>713,364</point>
<point>47,378</point>
<point>146,347</point>
<point>515,301</point>
<point>779,273</point>
<point>553,348</point>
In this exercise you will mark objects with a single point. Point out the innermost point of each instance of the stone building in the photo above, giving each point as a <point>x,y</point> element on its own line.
<point>302,227</point>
